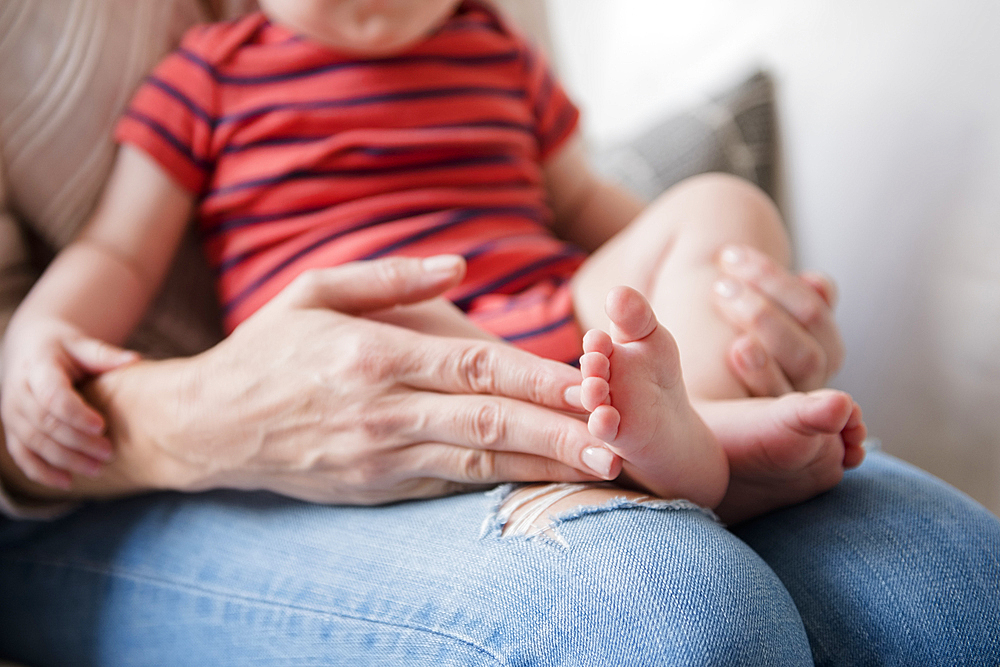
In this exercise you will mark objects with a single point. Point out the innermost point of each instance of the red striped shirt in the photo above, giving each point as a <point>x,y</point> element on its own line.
<point>304,157</point>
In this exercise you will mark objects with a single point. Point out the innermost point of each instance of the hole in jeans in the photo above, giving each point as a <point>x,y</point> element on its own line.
<point>536,511</point>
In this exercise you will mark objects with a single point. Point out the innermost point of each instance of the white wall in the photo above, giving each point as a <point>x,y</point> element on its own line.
<point>890,122</point>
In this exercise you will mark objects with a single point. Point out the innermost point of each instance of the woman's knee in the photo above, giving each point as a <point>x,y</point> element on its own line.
<point>907,567</point>
<point>656,582</point>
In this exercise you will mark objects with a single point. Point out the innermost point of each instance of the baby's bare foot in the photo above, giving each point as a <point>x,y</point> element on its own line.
<point>784,450</point>
<point>632,386</point>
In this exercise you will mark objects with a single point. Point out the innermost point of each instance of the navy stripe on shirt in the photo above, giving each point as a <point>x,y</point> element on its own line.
<point>250,220</point>
<point>524,335</point>
<point>307,138</point>
<point>465,302</point>
<point>399,96</point>
<point>166,135</point>
<point>457,217</point>
<point>305,174</point>
<point>397,61</point>
<point>190,104</point>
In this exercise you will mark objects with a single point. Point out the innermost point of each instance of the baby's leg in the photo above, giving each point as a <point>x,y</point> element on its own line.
<point>669,254</point>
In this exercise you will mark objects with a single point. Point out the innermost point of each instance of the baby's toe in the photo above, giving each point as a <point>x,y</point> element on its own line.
<point>853,456</point>
<point>598,341</point>
<point>823,411</point>
<point>631,315</point>
<point>603,423</point>
<point>595,364</point>
<point>855,432</point>
<point>594,392</point>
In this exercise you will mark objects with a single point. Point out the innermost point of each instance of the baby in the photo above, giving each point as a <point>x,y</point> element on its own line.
<point>317,132</point>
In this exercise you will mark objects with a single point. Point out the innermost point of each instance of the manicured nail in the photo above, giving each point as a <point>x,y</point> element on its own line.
<point>732,254</point>
<point>752,356</point>
<point>572,397</point>
<point>92,469</point>
<point>726,288</point>
<point>599,460</point>
<point>94,426</point>
<point>103,454</point>
<point>442,264</point>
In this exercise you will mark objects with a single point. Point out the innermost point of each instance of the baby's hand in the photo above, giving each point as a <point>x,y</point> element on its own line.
<point>51,431</point>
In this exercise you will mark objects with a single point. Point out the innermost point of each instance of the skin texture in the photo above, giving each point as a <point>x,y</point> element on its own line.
<point>392,415</point>
<point>255,412</point>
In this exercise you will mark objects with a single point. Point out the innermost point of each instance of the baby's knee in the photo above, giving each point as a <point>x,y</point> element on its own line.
<point>645,581</point>
<point>720,209</point>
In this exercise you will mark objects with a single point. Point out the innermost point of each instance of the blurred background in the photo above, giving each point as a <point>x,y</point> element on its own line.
<point>888,117</point>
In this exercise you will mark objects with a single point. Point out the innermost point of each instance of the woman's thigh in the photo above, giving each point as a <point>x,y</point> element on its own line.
<point>892,567</point>
<point>230,578</point>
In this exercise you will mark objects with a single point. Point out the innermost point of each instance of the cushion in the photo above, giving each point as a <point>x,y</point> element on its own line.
<point>68,69</point>
<point>734,132</point>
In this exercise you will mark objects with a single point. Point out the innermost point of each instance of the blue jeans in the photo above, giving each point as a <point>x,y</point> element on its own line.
<point>891,567</point>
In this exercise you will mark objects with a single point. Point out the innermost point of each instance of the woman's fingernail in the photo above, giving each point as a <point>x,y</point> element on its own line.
<point>752,356</point>
<point>599,460</point>
<point>442,264</point>
<point>95,426</point>
<point>732,254</point>
<point>726,288</point>
<point>93,469</point>
<point>572,397</point>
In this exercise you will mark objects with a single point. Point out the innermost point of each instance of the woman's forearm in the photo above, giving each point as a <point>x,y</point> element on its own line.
<point>308,401</point>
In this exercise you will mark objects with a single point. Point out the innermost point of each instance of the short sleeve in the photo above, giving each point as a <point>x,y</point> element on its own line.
<point>171,116</point>
<point>556,117</point>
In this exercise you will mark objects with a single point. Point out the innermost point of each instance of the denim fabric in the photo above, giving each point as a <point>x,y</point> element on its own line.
<point>892,567</point>
<point>246,579</point>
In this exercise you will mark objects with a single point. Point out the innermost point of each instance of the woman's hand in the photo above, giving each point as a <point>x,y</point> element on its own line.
<point>790,340</point>
<point>310,400</point>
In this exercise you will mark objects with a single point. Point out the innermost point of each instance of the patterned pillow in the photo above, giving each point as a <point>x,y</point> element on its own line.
<point>733,133</point>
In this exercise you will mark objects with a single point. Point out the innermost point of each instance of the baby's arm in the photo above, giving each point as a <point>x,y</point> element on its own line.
<point>88,300</point>
<point>588,209</point>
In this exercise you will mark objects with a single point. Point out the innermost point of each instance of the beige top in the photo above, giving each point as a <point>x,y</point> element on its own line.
<point>67,70</point>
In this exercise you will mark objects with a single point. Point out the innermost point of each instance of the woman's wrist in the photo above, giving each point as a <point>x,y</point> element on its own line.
<point>144,404</point>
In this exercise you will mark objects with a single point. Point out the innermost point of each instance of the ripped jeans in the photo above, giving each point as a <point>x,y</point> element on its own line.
<point>891,567</point>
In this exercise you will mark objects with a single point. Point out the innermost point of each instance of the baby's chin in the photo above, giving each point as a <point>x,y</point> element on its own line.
<point>376,34</point>
<point>372,41</point>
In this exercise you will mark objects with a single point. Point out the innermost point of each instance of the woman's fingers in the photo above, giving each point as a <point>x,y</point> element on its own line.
<point>476,467</point>
<point>364,286</point>
<point>798,353</point>
<point>464,366</point>
<point>504,425</point>
<point>824,286</point>
<point>756,369</point>
<point>789,316</point>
